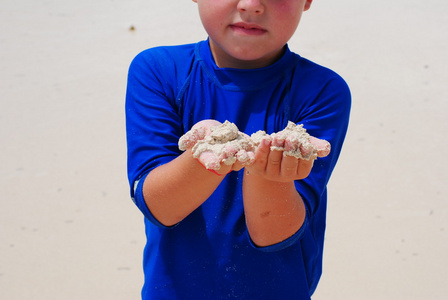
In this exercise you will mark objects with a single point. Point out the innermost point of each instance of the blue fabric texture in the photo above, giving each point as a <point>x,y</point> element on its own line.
<point>209,254</point>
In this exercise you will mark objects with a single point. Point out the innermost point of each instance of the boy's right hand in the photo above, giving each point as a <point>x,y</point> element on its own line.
<point>228,159</point>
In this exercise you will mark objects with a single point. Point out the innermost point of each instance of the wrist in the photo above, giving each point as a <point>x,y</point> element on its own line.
<point>262,179</point>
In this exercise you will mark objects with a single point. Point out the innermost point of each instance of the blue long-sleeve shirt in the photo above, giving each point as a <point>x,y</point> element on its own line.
<point>209,255</point>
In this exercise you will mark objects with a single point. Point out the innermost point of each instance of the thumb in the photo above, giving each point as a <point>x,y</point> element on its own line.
<point>323,147</point>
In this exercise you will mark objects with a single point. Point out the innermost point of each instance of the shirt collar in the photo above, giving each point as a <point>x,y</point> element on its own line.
<point>243,79</point>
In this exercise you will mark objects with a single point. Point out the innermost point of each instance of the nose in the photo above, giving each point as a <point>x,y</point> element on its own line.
<point>252,6</point>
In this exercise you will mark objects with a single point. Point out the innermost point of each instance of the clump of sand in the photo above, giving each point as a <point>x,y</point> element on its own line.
<point>226,144</point>
<point>295,142</point>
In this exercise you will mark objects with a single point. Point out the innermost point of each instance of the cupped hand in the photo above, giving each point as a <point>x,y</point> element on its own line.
<point>220,151</point>
<point>274,160</point>
<point>198,132</point>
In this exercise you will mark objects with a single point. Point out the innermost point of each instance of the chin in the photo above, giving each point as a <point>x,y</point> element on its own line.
<point>249,55</point>
<point>262,59</point>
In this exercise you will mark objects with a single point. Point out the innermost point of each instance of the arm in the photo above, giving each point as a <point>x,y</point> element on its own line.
<point>166,185</point>
<point>194,184</point>
<point>273,208</point>
<point>325,114</point>
<point>171,205</point>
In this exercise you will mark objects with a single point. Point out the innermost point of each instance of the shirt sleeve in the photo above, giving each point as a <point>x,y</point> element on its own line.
<point>324,111</point>
<point>285,243</point>
<point>325,116</point>
<point>153,126</point>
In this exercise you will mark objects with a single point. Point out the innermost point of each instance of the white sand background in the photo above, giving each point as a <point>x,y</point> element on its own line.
<point>68,228</point>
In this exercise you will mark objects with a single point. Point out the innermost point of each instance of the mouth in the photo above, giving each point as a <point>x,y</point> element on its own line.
<point>249,29</point>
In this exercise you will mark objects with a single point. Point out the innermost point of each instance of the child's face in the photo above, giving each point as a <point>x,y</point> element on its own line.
<point>249,33</point>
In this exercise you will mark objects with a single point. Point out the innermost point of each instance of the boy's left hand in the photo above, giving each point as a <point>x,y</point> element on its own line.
<point>274,166</point>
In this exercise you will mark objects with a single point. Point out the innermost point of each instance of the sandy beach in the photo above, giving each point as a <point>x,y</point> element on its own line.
<point>68,227</point>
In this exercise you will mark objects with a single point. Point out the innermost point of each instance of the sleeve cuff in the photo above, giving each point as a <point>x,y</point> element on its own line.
<point>139,200</point>
<point>285,243</point>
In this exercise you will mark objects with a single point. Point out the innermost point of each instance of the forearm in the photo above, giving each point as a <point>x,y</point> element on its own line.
<point>171,191</point>
<point>274,210</point>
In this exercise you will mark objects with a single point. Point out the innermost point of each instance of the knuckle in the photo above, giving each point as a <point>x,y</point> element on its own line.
<point>275,162</point>
<point>261,161</point>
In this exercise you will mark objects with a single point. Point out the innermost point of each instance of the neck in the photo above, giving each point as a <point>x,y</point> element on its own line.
<point>224,60</point>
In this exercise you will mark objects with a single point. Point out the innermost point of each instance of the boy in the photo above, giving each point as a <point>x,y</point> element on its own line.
<point>252,233</point>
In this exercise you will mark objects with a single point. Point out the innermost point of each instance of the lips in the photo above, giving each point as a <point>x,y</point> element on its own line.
<point>246,28</point>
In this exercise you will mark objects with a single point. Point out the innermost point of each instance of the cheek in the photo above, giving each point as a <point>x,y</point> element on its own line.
<point>284,7</point>
<point>211,17</point>
<point>287,6</point>
<point>288,13</point>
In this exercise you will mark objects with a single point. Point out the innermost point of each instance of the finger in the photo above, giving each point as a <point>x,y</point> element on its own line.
<point>207,124</point>
<point>306,150</point>
<point>209,160</point>
<point>185,143</point>
<point>274,163</point>
<point>260,158</point>
<point>289,167</point>
<point>278,141</point>
<point>230,150</point>
<point>238,165</point>
<point>262,154</point>
<point>246,158</point>
<point>304,168</point>
<point>291,144</point>
<point>323,147</point>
